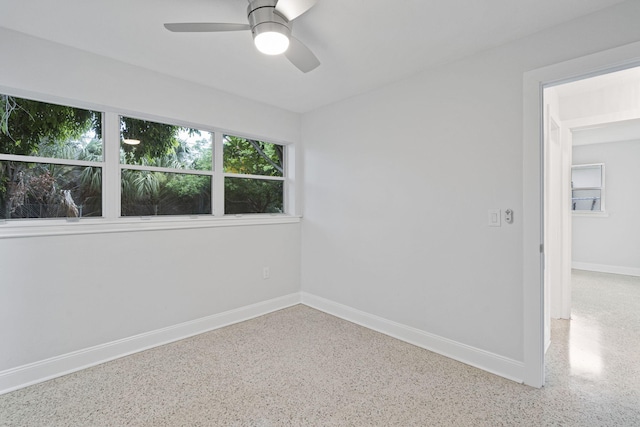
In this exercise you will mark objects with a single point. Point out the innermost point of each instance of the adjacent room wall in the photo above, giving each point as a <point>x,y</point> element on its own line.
<point>607,243</point>
<point>62,294</point>
<point>398,184</point>
<point>611,243</point>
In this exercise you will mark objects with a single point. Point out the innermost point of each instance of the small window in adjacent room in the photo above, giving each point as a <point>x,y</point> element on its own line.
<point>165,169</point>
<point>587,188</point>
<point>253,176</point>
<point>51,160</point>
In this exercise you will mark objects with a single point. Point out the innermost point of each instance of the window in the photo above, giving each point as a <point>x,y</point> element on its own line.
<point>253,176</point>
<point>587,188</point>
<point>51,160</point>
<point>165,169</point>
<point>56,163</point>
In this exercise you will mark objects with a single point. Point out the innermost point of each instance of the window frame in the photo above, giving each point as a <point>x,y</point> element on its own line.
<point>126,166</point>
<point>602,211</point>
<point>60,161</point>
<point>283,178</point>
<point>111,220</point>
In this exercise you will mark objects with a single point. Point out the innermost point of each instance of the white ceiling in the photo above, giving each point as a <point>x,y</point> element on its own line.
<point>628,130</point>
<point>614,82</point>
<point>362,44</point>
<point>603,81</point>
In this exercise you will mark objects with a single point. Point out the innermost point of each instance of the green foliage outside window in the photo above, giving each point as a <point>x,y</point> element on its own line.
<point>27,126</point>
<point>251,195</point>
<point>246,195</point>
<point>148,193</point>
<point>160,145</point>
<point>35,190</point>
<point>47,189</point>
<point>157,140</point>
<point>248,156</point>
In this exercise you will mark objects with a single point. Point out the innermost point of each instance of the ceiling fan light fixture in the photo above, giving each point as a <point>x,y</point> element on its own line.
<point>271,43</point>
<point>270,24</point>
<point>271,38</point>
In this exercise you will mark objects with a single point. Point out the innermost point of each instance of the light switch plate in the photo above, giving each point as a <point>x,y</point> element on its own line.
<point>494,217</point>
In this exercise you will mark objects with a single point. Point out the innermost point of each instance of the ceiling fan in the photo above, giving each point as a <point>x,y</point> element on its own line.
<point>270,23</point>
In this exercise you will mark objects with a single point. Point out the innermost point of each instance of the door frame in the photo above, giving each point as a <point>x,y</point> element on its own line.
<point>615,59</point>
<point>557,213</point>
<point>554,195</point>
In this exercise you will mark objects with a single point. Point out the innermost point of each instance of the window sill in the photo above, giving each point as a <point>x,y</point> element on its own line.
<point>62,227</point>
<point>590,214</point>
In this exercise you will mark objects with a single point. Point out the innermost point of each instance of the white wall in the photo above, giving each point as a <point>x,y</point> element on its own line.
<point>398,182</point>
<point>612,242</point>
<point>60,294</point>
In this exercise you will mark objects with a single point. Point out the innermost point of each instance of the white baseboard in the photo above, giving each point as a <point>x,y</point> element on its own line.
<point>601,268</point>
<point>22,376</point>
<point>496,364</point>
<point>33,373</point>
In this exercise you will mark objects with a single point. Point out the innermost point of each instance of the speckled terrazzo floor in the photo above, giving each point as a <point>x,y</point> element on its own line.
<point>301,367</point>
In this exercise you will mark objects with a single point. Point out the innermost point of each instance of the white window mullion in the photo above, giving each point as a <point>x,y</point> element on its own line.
<point>111,173</point>
<point>290,182</point>
<point>48,160</point>
<point>250,176</point>
<point>218,177</point>
<point>166,170</point>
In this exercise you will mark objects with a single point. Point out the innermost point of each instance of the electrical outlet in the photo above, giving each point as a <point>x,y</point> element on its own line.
<point>266,273</point>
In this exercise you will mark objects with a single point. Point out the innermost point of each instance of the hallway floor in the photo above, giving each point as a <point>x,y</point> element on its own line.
<point>595,357</point>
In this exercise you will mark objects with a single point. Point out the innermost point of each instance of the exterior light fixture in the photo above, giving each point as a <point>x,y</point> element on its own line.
<point>131,141</point>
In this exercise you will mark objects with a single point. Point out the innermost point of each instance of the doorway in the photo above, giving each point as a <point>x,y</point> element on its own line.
<point>615,59</point>
<point>589,124</point>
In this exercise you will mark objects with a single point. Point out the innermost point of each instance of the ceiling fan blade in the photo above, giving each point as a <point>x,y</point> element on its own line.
<point>291,9</point>
<point>301,56</point>
<point>205,27</point>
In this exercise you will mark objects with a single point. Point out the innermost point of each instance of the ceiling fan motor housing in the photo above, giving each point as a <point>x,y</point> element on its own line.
<point>264,18</point>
